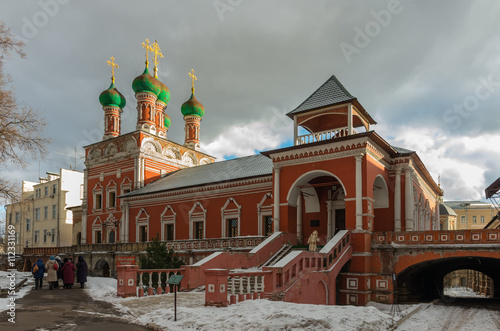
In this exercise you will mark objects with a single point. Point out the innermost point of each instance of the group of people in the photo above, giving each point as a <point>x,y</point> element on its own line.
<point>60,269</point>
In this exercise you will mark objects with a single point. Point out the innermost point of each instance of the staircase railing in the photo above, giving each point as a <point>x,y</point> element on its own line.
<point>289,269</point>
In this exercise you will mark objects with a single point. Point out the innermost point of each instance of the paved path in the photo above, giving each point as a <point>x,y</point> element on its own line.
<point>64,310</point>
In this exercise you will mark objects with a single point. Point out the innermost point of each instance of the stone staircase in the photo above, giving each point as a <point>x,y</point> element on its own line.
<point>281,253</point>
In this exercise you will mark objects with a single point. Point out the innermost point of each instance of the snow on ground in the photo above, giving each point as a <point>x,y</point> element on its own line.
<point>269,315</point>
<point>461,292</point>
<point>247,315</point>
<point>5,282</point>
<point>437,317</point>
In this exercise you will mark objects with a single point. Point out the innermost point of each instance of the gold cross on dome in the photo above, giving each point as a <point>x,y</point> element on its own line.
<point>113,66</point>
<point>148,48</point>
<point>157,54</point>
<point>193,78</point>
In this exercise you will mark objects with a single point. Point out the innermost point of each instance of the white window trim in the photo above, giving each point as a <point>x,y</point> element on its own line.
<point>126,184</point>
<point>197,217</point>
<point>110,225</point>
<point>111,188</point>
<point>227,214</point>
<point>142,219</point>
<point>263,211</point>
<point>167,219</point>
<point>95,191</point>
<point>96,226</point>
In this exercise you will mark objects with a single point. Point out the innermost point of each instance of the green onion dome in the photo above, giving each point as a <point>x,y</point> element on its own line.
<point>111,97</point>
<point>146,83</point>
<point>164,95</point>
<point>168,121</point>
<point>192,107</point>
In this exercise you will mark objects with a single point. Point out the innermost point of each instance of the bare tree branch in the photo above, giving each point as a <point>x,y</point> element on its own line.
<point>20,126</point>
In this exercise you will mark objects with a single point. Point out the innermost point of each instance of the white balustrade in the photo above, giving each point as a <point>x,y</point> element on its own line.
<point>323,135</point>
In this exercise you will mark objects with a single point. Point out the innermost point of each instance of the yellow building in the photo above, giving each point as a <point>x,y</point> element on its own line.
<point>472,214</point>
<point>40,217</point>
<point>447,218</point>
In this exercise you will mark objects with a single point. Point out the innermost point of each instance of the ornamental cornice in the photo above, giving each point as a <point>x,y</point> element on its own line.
<point>330,150</point>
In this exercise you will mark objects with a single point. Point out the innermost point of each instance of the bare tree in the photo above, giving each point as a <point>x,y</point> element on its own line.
<point>20,125</point>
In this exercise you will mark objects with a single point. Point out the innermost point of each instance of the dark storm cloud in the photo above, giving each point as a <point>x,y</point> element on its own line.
<point>253,57</point>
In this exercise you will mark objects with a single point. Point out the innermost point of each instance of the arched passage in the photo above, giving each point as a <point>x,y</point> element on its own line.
<point>424,281</point>
<point>101,268</point>
<point>316,203</point>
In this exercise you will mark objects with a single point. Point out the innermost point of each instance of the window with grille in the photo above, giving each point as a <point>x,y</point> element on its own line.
<point>111,199</point>
<point>169,231</point>
<point>232,227</point>
<point>98,238</point>
<point>268,225</point>
<point>98,201</point>
<point>143,233</point>
<point>198,230</point>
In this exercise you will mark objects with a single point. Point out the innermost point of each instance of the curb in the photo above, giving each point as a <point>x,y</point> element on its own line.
<point>410,314</point>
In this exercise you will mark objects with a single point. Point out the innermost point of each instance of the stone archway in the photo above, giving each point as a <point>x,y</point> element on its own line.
<point>317,200</point>
<point>102,268</point>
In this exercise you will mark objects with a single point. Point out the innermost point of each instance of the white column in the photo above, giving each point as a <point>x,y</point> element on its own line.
<point>276,199</point>
<point>142,169</point>
<point>359,192</point>
<point>409,199</point>
<point>126,223</point>
<point>397,201</point>
<point>84,208</point>
<point>299,219</point>
<point>329,232</point>
<point>349,119</point>
<point>295,131</point>
<point>137,170</point>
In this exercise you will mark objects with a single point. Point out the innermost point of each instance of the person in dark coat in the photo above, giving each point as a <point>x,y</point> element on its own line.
<point>39,274</point>
<point>68,271</point>
<point>81,271</point>
<point>59,271</point>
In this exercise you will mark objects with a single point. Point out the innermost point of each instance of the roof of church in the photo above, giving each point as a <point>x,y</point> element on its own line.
<point>402,150</point>
<point>446,210</point>
<point>217,172</point>
<point>330,93</point>
<point>462,204</point>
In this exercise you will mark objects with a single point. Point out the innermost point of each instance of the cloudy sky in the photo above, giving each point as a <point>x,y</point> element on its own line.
<point>427,71</point>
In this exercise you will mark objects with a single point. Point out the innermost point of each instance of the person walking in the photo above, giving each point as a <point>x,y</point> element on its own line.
<point>38,269</point>
<point>68,271</point>
<point>51,266</point>
<point>59,271</point>
<point>81,271</point>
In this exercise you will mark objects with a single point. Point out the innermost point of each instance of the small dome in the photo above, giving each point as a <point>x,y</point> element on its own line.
<point>164,95</point>
<point>146,83</point>
<point>192,107</point>
<point>168,121</point>
<point>111,97</point>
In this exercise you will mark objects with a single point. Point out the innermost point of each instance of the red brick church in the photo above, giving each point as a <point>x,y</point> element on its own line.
<point>341,175</point>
